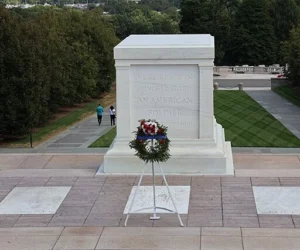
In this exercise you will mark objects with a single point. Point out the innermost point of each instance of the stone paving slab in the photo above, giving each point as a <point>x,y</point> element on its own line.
<point>50,161</point>
<point>48,173</point>
<point>267,165</point>
<point>27,243</point>
<point>72,162</point>
<point>11,162</point>
<point>90,238</point>
<point>35,161</point>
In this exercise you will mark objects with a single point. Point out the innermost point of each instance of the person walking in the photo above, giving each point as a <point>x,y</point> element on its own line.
<point>112,113</point>
<point>99,111</point>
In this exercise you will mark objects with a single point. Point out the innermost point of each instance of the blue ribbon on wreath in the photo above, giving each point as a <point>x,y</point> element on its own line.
<point>151,137</point>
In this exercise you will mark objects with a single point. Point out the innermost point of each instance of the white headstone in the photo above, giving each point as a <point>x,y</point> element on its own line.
<point>169,78</point>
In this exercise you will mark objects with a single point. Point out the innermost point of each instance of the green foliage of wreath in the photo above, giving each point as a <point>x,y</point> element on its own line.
<point>159,152</point>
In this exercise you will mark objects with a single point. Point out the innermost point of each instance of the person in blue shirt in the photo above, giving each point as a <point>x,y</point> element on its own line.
<point>99,113</point>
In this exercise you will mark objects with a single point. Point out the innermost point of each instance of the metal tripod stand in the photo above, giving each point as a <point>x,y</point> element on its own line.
<point>155,208</point>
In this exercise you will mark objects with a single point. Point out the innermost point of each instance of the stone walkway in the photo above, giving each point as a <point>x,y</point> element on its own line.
<point>287,113</point>
<point>79,136</point>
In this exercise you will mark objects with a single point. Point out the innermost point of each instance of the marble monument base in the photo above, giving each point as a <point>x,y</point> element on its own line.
<point>188,156</point>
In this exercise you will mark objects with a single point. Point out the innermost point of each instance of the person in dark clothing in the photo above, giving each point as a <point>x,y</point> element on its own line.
<point>112,113</point>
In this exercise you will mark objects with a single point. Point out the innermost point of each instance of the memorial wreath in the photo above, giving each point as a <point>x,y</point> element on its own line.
<point>151,142</point>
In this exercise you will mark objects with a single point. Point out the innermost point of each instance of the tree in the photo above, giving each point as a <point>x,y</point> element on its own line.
<point>120,7</point>
<point>207,17</point>
<point>173,13</point>
<point>286,15</point>
<point>162,23</point>
<point>293,56</point>
<point>144,21</point>
<point>252,37</point>
<point>158,5</point>
<point>102,40</point>
<point>232,6</point>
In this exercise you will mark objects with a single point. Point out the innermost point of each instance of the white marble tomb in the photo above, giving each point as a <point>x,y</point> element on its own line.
<point>169,78</point>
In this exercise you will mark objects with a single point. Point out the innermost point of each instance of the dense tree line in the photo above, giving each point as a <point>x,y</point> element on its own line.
<point>52,57</point>
<point>143,18</point>
<point>246,32</point>
<point>143,21</point>
<point>48,59</point>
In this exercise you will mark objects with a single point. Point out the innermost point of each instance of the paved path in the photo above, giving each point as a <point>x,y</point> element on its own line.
<point>287,113</point>
<point>79,136</point>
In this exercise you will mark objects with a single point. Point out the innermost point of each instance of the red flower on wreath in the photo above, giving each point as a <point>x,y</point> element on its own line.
<point>149,127</point>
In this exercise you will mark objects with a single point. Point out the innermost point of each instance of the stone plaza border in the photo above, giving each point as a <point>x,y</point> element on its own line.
<point>145,238</point>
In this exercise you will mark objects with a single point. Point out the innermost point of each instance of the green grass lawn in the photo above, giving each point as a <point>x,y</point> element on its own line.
<point>246,123</point>
<point>289,93</point>
<point>105,140</point>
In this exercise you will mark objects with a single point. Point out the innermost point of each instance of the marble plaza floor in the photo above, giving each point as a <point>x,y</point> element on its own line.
<point>57,202</point>
<point>100,201</point>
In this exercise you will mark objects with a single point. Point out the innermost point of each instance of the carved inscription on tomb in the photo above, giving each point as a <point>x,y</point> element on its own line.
<point>168,93</point>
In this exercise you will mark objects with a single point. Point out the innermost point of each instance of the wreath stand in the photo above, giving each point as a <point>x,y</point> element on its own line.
<point>155,208</point>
